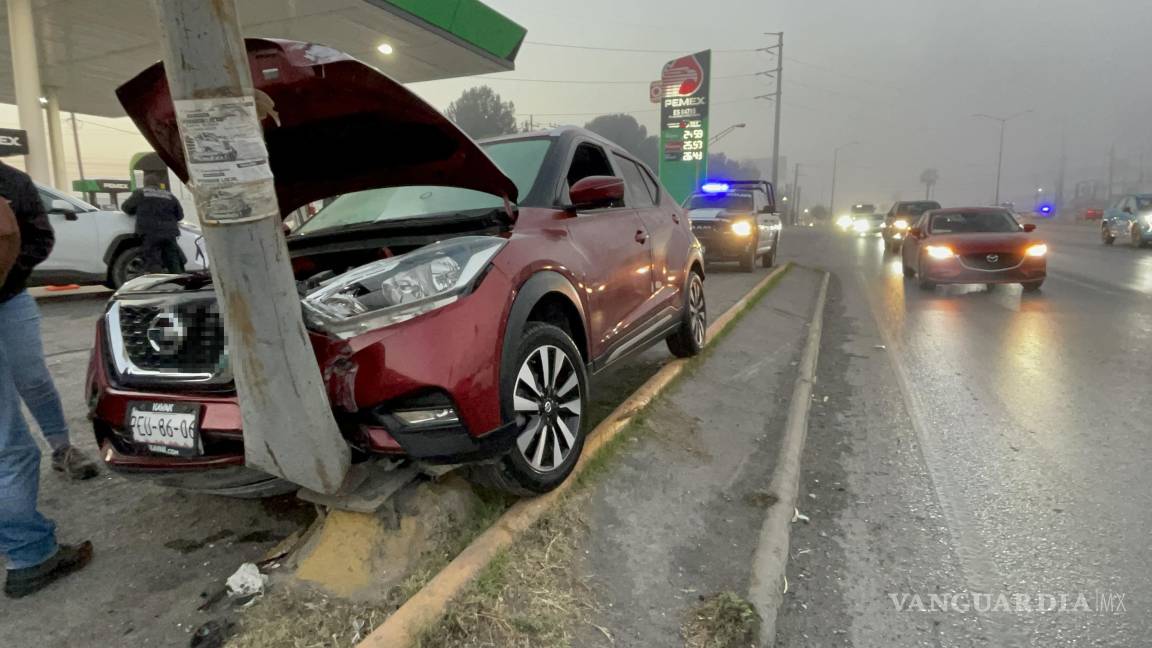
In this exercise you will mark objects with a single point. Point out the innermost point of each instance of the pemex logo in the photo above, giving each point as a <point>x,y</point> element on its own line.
<point>682,78</point>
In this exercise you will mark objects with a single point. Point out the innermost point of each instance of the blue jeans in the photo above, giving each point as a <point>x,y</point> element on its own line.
<point>20,339</point>
<point>27,538</point>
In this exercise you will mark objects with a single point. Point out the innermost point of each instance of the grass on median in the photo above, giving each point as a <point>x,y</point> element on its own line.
<point>722,620</point>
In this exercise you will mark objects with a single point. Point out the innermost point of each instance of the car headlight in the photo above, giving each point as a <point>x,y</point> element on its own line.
<point>1037,250</point>
<point>844,221</point>
<point>742,228</point>
<point>860,226</point>
<point>938,251</point>
<point>900,224</point>
<point>394,290</point>
<point>1148,219</point>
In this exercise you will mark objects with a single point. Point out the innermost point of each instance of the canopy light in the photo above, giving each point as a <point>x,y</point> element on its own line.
<point>385,49</point>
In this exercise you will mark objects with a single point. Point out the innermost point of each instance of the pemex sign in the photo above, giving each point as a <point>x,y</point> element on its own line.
<point>683,96</point>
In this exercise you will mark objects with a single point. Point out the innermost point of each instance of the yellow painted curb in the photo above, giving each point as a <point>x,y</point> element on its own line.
<point>426,606</point>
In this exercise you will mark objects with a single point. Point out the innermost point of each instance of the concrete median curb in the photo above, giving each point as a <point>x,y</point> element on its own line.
<point>770,562</point>
<point>426,606</point>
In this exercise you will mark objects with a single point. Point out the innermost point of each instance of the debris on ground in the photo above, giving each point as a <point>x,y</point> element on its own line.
<point>797,516</point>
<point>246,582</point>
<point>722,620</point>
<point>212,634</point>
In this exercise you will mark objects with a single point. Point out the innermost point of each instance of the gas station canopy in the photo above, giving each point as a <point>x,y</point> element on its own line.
<point>88,47</point>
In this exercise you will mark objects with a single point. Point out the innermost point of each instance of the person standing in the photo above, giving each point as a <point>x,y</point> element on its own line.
<point>158,214</point>
<point>27,538</point>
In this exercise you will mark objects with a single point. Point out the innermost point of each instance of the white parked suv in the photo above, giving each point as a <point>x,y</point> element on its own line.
<point>94,246</point>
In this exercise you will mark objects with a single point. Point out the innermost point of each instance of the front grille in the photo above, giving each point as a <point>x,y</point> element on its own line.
<point>992,260</point>
<point>169,340</point>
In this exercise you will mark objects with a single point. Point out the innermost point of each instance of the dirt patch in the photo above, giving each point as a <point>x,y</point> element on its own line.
<point>527,596</point>
<point>722,620</point>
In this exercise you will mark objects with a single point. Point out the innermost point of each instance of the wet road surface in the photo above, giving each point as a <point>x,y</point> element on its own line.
<point>978,440</point>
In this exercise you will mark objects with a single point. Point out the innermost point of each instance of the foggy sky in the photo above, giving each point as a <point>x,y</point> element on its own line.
<point>901,76</point>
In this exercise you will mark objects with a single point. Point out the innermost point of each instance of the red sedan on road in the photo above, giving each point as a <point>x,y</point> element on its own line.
<point>457,294</point>
<point>974,245</point>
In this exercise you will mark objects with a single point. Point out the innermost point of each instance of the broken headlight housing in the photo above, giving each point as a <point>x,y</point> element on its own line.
<point>394,290</point>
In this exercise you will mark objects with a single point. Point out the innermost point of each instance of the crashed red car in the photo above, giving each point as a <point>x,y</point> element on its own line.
<point>970,245</point>
<point>457,294</point>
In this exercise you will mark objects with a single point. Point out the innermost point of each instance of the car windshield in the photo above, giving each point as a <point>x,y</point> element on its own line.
<point>1143,203</point>
<point>519,159</point>
<point>734,200</point>
<point>916,208</point>
<point>863,209</point>
<point>973,222</point>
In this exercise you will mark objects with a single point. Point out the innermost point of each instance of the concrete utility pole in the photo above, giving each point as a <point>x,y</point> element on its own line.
<point>779,87</point>
<point>795,194</point>
<point>289,429</point>
<point>76,141</point>
<point>835,163</point>
<point>1111,168</point>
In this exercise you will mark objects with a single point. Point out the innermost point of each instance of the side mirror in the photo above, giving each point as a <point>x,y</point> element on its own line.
<point>915,232</point>
<point>1029,227</point>
<point>595,192</point>
<point>64,207</point>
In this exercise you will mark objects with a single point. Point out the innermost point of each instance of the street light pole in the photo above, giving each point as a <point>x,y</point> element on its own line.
<point>835,164</point>
<point>289,429</point>
<point>1000,155</point>
<point>724,132</point>
<point>776,127</point>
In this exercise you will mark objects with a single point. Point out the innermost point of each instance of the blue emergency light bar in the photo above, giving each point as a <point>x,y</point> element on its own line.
<point>716,187</point>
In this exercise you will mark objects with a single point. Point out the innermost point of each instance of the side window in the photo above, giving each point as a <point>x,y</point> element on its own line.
<point>46,198</point>
<point>589,160</point>
<point>652,184</point>
<point>638,194</point>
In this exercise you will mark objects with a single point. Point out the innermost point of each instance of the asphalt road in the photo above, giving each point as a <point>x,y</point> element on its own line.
<point>973,440</point>
<point>157,550</point>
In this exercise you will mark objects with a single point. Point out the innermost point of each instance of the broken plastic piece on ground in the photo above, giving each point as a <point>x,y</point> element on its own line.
<point>247,581</point>
<point>798,516</point>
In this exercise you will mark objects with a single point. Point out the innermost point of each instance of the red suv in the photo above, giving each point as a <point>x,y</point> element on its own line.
<point>458,294</point>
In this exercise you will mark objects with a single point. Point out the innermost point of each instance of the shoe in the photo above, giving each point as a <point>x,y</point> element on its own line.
<point>74,464</point>
<point>68,559</point>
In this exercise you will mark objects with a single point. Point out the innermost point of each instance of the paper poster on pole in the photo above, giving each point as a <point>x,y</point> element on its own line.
<point>226,157</point>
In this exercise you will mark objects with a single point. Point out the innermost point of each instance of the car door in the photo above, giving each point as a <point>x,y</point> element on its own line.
<point>77,235</point>
<point>616,245</point>
<point>668,241</point>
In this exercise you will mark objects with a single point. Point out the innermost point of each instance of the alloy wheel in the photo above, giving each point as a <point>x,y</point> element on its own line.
<point>697,311</point>
<point>546,401</point>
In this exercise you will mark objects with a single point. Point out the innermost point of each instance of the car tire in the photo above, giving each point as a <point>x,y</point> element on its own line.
<point>127,265</point>
<point>558,422</point>
<point>690,336</point>
<point>1106,236</point>
<point>909,272</point>
<point>769,260</point>
<point>748,262</point>
<point>1032,286</point>
<point>1137,238</point>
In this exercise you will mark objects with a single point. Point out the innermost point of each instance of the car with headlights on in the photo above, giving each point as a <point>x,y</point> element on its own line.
<point>967,245</point>
<point>736,220</point>
<point>900,218</point>
<point>861,220</point>
<point>457,294</point>
<point>1129,218</point>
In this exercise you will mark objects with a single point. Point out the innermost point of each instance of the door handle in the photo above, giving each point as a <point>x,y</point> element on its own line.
<point>641,236</point>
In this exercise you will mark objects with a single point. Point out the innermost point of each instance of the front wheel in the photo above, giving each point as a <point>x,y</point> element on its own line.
<point>1033,286</point>
<point>1106,236</point>
<point>688,340</point>
<point>768,260</point>
<point>127,265</point>
<point>545,397</point>
<point>1137,237</point>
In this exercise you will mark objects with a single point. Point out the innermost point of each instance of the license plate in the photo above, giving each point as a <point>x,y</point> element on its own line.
<point>166,428</point>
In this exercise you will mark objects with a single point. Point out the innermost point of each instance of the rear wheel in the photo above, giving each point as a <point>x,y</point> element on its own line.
<point>688,340</point>
<point>1106,236</point>
<point>1033,286</point>
<point>546,396</point>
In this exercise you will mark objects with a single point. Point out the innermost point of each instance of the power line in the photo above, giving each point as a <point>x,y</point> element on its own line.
<point>120,130</point>
<point>632,50</point>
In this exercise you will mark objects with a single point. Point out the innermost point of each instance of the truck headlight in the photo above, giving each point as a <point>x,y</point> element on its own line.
<point>742,228</point>
<point>900,224</point>
<point>393,290</point>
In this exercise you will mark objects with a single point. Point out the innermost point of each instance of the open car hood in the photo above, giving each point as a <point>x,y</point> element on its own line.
<point>343,127</point>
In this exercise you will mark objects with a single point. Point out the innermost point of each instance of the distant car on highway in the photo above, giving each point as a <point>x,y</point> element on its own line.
<point>901,217</point>
<point>859,211</point>
<point>974,245</point>
<point>95,246</point>
<point>1128,218</point>
<point>736,221</point>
